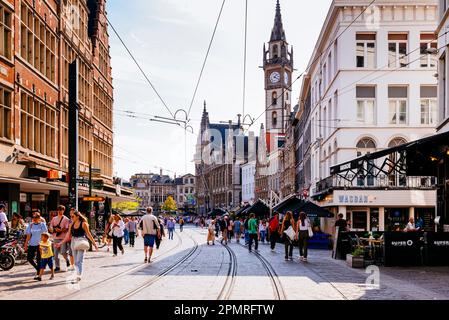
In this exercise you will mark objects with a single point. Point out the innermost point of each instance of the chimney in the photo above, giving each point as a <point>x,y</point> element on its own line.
<point>161,172</point>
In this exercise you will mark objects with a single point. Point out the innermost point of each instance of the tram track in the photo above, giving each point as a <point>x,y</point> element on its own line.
<point>161,274</point>
<point>121,274</point>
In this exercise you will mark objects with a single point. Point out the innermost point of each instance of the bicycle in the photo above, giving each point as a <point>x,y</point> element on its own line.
<point>98,236</point>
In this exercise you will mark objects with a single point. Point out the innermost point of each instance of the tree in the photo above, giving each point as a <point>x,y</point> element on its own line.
<point>126,206</point>
<point>169,204</point>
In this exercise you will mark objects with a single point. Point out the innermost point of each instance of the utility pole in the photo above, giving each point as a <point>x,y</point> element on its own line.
<point>73,134</point>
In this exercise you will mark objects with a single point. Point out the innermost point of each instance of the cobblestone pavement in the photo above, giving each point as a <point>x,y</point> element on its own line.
<point>186,268</point>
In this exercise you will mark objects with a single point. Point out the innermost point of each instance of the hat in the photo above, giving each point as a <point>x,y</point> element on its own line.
<point>45,234</point>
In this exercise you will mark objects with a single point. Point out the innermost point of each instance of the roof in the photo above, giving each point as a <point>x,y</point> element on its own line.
<point>278,33</point>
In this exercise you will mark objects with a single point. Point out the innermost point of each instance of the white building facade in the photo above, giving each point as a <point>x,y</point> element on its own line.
<point>372,88</point>
<point>443,66</point>
<point>248,182</point>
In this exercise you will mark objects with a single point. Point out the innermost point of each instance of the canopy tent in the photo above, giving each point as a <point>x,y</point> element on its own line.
<point>296,205</point>
<point>217,212</point>
<point>259,208</point>
<point>240,211</point>
<point>287,204</point>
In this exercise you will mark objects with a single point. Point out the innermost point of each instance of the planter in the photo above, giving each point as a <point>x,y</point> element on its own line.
<point>355,261</point>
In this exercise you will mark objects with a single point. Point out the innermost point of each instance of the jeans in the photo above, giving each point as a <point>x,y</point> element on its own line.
<point>117,242</point>
<point>246,237</point>
<point>181,227</point>
<point>303,243</point>
<point>132,236</point>
<point>33,251</point>
<point>238,235</point>
<point>170,233</point>
<point>273,239</point>
<point>253,237</point>
<point>126,236</point>
<point>263,235</point>
<point>57,251</point>
<point>78,255</point>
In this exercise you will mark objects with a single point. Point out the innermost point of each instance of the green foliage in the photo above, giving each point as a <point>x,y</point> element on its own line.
<point>125,206</point>
<point>358,252</point>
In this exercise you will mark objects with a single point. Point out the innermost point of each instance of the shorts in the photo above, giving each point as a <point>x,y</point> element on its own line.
<point>47,262</point>
<point>149,240</point>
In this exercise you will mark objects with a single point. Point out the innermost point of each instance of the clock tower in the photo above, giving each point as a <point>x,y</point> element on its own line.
<point>278,67</point>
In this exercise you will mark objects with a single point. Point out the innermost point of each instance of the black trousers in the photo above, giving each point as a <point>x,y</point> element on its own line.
<point>33,252</point>
<point>255,238</point>
<point>288,247</point>
<point>132,237</point>
<point>273,239</point>
<point>117,242</point>
<point>303,243</point>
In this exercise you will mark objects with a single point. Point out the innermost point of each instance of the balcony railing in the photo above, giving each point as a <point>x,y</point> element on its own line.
<point>379,182</point>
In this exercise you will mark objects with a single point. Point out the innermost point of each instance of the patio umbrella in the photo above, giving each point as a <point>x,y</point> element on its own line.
<point>312,210</point>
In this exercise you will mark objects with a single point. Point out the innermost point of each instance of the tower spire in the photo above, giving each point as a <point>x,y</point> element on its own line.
<point>278,33</point>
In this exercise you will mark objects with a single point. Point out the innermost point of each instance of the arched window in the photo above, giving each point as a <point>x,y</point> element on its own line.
<point>275,51</point>
<point>286,96</point>
<point>396,142</point>
<point>366,146</point>
<point>274,98</point>
<point>274,118</point>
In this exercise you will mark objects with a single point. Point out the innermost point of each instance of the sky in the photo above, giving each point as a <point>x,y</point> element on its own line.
<point>169,39</point>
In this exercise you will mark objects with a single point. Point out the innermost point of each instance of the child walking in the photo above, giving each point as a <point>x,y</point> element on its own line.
<point>45,247</point>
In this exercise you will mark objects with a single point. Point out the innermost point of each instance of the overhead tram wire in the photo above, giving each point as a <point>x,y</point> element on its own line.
<point>318,57</point>
<point>205,58</point>
<point>244,57</point>
<point>140,68</point>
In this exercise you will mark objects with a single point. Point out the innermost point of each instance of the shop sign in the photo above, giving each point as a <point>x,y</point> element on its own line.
<point>353,199</point>
<point>23,197</point>
<point>94,199</point>
<point>441,243</point>
<point>53,175</point>
<point>404,243</point>
<point>38,197</point>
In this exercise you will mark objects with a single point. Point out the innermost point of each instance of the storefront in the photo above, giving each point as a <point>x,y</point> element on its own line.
<point>381,210</point>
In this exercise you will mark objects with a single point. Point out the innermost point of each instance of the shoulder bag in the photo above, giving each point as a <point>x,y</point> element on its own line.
<point>310,230</point>
<point>81,244</point>
<point>290,233</point>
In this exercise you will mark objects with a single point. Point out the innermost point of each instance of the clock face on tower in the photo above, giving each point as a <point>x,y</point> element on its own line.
<point>275,77</point>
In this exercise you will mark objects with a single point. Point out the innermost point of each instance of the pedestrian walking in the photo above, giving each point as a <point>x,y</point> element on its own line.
<point>161,234</point>
<point>303,228</point>
<point>245,228</point>
<point>46,252</point>
<point>237,229</point>
<point>126,232</point>
<point>131,226</point>
<point>150,230</point>
<point>253,232</point>
<point>263,230</point>
<point>181,224</point>
<point>17,225</point>
<point>217,227</point>
<point>33,237</point>
<point>170,228</point>
<point>273,228</point>
<point>77,235</point>
<point>118,232</point>
<point>287,223</point>
<point>108,232</point>
<point>224,230</point>
<point>211,232</point>
<point>59,226</point>
<point>3,221</point>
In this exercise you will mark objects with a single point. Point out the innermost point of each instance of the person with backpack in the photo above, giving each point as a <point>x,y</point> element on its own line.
<point>253,231</point>
<point>150,230</point>
<point>273,229</point>
<point>181,224</point>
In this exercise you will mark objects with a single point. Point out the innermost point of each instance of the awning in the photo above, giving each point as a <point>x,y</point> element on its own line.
<point>419,154</point>
<point>287,204</point>
<point>217,212</point>
<point>312,210</point>
<point>242,209</point>
<point>259,208</point>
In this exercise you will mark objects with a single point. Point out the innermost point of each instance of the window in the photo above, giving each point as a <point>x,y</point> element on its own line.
<point>396,142</point>
<point>5,31</point>
<point>397,50</point>
<point>275,51</point>
<point>5,113</point>
<point>274,118</point>
<point>366,146</point>
<point>366,102</point>
<point>398,104</point>
<point>274,98</point>
<point>429,105</point>
<point>37,43</point>
<point>428,60</point>
<point>366,50</point>
<point>38,125</point>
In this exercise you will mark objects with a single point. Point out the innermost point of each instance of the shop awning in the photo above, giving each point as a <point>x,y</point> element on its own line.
<point>217,212</point>
<point>418,155</point>
<point>242,209</point>
<point>287,204</point>
<point>259,208</point>
<point>312,210</point>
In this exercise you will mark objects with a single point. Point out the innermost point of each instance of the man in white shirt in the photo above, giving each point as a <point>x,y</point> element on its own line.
<point>3,221</point>
<point>150,230</point>
<point>411,225</point>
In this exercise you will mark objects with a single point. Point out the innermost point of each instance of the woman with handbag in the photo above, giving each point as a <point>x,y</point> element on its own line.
<point>78,231</point>
<point>117,227</point>
<point>304,232</point>
<point>288,233</point>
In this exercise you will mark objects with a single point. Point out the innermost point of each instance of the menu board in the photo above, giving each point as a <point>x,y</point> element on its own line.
<point>334,250</point>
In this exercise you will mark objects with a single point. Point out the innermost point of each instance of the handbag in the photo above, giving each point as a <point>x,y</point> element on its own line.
<point>290,233</point>
<point>81,244</point>
<point>310,230</point>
